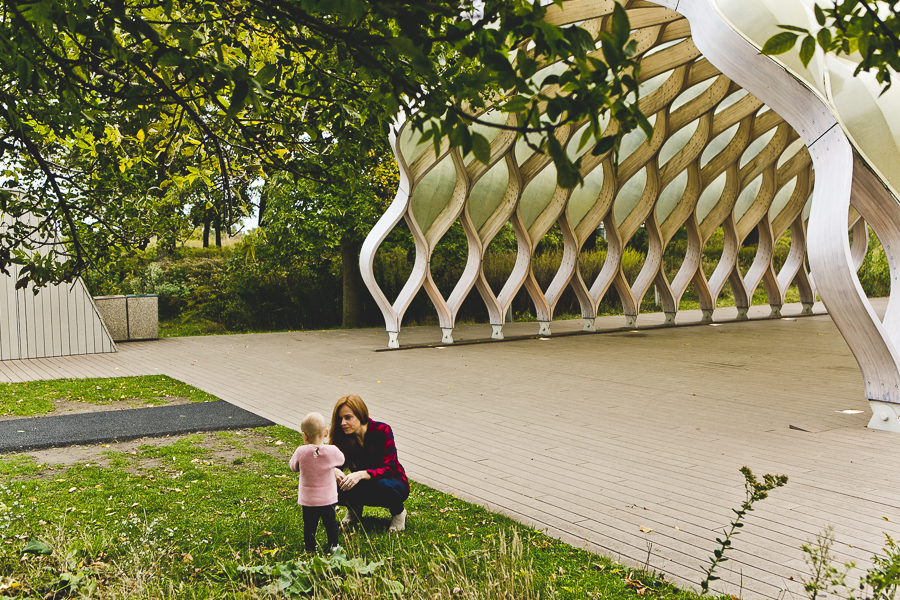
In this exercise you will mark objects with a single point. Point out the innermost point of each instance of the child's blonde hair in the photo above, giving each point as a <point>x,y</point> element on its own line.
<point>313,426</point>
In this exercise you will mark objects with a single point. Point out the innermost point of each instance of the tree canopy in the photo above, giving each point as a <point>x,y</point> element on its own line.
<point>109,107</point>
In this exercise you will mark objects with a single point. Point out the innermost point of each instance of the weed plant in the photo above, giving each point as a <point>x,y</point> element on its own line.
<point>755,491</point>
<point>881,581</point>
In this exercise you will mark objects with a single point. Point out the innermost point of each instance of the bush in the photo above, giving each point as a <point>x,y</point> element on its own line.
<point>257,286</point>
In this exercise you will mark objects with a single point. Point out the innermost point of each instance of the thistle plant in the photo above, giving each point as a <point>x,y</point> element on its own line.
<point>756,490</point>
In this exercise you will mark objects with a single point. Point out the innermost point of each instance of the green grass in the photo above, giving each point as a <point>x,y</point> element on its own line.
<point>181,517</point>
<point>179,328</point>
<point>37,397</point>
<point>181,520</point>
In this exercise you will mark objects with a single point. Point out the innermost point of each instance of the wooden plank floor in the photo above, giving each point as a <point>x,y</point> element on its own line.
<point>591,437</point>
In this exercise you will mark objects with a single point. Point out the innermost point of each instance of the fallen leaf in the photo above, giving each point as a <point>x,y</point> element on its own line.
<point>279,443</point>
<point>645,529</point>
<point>9,584</point>
<point>676,527</point>
<point>885,518</point>
<point>72,489</point>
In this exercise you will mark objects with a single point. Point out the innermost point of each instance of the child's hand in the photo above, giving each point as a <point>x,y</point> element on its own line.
<point>339,476</point>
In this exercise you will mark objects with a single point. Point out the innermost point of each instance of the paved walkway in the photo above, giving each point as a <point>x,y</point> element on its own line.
<point>591,437</point>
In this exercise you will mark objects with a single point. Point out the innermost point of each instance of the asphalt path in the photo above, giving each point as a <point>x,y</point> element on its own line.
<point>35,433</point>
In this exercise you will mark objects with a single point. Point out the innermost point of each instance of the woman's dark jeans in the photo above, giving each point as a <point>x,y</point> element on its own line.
<point>387,493</point>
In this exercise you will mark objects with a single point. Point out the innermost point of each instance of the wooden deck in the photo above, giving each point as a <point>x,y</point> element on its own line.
<point>591,437</point>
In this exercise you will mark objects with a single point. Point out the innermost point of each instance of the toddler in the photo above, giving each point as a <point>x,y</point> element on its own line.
<point>317,490</point>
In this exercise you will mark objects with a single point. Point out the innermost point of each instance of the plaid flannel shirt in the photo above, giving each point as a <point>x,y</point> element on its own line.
<point>378,456</point>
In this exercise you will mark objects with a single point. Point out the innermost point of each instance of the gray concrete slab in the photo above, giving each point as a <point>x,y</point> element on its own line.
<point>592,436</point>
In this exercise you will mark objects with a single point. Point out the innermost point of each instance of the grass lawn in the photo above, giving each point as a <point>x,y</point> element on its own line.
<point>215,515</point>
<point>40,397</point>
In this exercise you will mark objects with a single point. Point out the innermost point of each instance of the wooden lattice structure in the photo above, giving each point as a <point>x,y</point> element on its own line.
<point>739,143</point>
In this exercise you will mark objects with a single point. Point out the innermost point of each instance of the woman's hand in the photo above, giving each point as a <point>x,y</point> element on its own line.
<point>349,481</point>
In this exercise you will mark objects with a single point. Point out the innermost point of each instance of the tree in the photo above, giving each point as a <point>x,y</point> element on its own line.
<point>313,220</point>
<point>869,27</point>
<point>246,88</point>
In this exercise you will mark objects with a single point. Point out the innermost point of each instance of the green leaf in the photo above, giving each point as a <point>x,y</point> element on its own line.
<point>585,138</point>
<point>266,74</point>
<point>824,37</point>
<point>794,28</point>
<point>779,43</point>
<point>807,50</point>
<point>863,46</point>
<point>604,145</point>
<point>169,59</point>
<point>516,104</point>
<point>460,137</point>
<point>644,124</point>
<point>393,586</point>
<point>567,176</point>
<point>820,15</point>
<point>621,27</point>
<point>37,547</point>
<point>481,148</point>
<point>238,99</point>
<point>527,66</point>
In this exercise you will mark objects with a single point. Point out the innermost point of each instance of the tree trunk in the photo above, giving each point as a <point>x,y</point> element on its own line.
<point>206,233</point>
<point>352,304</point>
<point>218,231</point>
<point>263,204</point>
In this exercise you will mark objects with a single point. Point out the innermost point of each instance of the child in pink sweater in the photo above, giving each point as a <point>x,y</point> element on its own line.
<point>317,490</point>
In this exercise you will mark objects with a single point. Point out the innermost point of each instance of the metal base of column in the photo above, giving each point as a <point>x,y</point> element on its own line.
<point>885,416</point>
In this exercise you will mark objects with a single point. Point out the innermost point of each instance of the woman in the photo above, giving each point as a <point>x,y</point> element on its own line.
<point>376,477</point>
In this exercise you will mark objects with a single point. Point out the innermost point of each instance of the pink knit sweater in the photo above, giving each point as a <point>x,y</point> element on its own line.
<point>317,486</point>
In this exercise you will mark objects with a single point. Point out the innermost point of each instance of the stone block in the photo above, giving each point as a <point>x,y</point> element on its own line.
<point>114,312</point>
<point>143,317</point>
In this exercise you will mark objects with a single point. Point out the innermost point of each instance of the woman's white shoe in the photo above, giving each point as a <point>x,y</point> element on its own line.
<point>398,522</point>
<point>349,519</point>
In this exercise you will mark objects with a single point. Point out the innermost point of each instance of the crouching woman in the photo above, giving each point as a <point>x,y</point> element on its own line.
<point>376,477</point>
